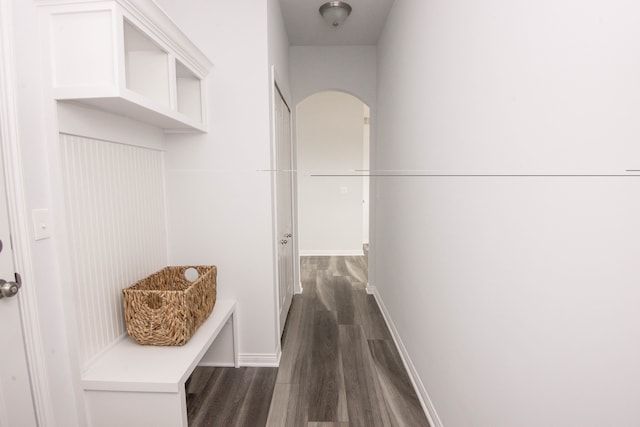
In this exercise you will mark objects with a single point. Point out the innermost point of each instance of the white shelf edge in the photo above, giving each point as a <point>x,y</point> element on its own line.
<point>167,120</point>
<point>100,375</point>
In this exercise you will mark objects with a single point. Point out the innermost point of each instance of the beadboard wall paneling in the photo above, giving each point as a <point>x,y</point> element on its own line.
<point>115,202</point>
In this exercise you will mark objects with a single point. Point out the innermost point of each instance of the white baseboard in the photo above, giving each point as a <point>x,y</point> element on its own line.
<point>257,359</point>
<point>421,391</point>
<point>336,252</point>
<point>217,365</point>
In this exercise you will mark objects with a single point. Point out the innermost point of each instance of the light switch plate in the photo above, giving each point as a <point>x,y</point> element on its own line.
<point>41,224</point>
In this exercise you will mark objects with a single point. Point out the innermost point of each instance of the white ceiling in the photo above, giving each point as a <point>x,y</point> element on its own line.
<point>305,26</point>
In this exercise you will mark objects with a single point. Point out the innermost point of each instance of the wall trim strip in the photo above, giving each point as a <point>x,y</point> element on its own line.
<point>421,391</point>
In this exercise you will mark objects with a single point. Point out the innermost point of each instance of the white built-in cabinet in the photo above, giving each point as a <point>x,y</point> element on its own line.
<point>126,57</point>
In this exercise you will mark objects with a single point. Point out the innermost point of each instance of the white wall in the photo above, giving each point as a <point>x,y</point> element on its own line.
<point>329,135</point>
<point>351,69</point>
<point>516,298</point>
<point>278,45</point>
<point>219,195</point>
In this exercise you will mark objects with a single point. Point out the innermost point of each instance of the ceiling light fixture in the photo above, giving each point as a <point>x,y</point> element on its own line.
<point>335,12</point>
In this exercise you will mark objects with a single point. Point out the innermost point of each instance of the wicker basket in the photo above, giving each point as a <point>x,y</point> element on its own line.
<point>166,308</point>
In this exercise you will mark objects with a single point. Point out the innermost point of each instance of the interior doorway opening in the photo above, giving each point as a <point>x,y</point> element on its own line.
<point>332,160</point>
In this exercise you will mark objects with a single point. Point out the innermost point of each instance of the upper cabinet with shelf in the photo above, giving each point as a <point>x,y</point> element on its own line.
<point>126,57</point>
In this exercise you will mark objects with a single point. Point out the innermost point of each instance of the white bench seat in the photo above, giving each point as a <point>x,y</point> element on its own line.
<point>136,385</point>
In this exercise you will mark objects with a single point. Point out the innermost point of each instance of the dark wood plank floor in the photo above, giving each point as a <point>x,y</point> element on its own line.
<point>229,396</point>
<point>339,364</point>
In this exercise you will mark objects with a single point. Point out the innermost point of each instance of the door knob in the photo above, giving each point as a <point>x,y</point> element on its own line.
<point>283,242</point>
<point>288,235</point>
<point>8,289</point>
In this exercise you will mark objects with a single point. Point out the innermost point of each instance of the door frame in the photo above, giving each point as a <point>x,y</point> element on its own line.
<point>18,224</point>
<point>276,91</point>
<point>367,151</point>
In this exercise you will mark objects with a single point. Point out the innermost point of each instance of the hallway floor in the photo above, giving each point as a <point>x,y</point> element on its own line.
<point>339,364</point>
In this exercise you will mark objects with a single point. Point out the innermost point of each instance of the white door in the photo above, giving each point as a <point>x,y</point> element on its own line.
<point>16,403</point>
<point>284,205</point>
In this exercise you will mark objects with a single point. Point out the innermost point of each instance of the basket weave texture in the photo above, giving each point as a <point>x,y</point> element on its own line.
<point>166,308</point>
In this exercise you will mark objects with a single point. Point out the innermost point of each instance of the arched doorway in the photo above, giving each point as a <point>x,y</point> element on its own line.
<point>332,150</point>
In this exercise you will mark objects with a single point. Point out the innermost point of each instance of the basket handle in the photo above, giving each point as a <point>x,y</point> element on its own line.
<point>191,274</point>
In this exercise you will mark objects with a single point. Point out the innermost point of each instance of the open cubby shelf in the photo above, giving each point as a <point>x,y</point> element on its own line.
<point>107,55</point>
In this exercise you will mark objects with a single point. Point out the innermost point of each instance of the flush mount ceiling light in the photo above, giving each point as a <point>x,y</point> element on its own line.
<point>335,12</point>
